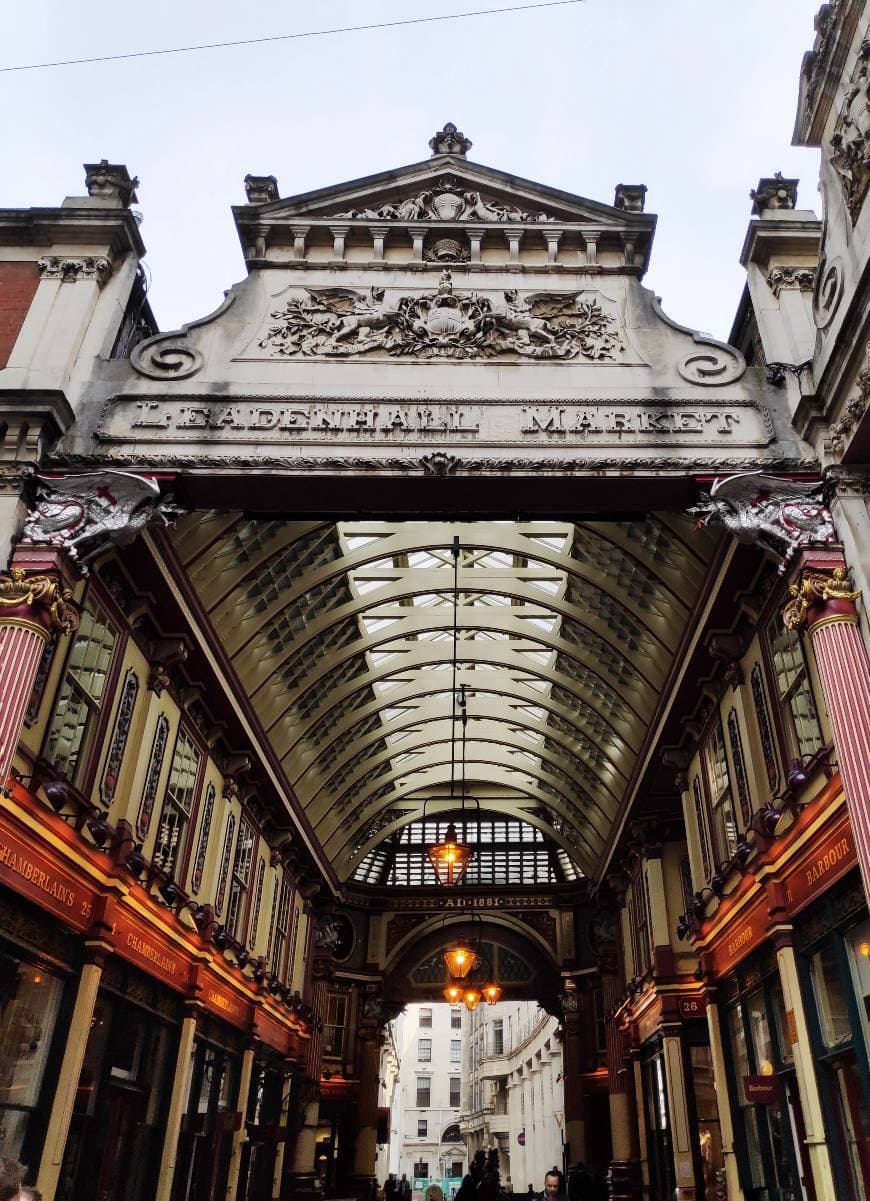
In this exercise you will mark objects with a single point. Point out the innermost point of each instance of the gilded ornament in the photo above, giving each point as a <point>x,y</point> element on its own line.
<point>815,586</point>
<point>19,589</point>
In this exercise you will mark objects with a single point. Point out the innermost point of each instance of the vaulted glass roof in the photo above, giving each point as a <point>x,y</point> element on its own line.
<point>343,637</point>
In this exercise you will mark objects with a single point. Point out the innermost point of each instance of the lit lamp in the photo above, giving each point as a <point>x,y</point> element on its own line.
<point>491,993</point>
<point>460,960</point>
<point>471,997</point>
<point>453,993</point>
<point>450,858</point>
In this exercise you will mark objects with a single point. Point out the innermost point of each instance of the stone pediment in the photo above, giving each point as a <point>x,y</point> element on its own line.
<point>446,189</point>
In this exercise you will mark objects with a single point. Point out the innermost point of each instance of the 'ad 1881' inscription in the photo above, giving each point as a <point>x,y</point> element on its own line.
<point>489,423</point>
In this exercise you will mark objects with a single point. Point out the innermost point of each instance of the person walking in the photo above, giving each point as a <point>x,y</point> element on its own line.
<point>404,1189</point>
<point>554,1186</point>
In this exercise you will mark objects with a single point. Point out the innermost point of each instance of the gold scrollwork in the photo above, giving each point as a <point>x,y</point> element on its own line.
<point>816,586</point>
<point>18,588</point>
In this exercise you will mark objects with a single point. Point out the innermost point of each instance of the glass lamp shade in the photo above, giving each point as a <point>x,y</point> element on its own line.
<point>453,993</point>
<point>460,959</point>
<point>450,858</point>
<point>491,993</point>
<point>471,997</point>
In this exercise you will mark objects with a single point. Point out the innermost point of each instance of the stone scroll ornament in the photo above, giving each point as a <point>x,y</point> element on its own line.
<point>763,509</point>
<point>337,322</point>
<point>83,513</point>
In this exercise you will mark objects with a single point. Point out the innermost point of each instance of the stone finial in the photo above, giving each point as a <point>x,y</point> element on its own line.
<point>773,193</point>
<point>111,181</point>
<point>449,140</point>
<point>261,189</point>
<point>630,197</point>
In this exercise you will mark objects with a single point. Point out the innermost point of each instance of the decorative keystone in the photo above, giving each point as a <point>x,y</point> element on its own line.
<point>111,181</point>
<point>630,197</point>
<point>773,193</point>
<point>261,189</point>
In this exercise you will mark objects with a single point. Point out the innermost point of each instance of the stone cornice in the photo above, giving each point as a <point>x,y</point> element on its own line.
<point>115,228</point>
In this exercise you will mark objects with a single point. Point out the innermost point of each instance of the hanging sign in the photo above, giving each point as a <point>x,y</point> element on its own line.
<point>521,1138</point>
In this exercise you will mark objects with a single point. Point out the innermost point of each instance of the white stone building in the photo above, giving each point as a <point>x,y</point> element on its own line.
<point>425,1141</point>
<point>513,1097</point>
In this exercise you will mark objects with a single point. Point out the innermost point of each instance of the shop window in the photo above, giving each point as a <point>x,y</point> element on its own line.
<point>703,833</point>
<point>204,835</point>
<point>334,1025</point>
<point>829,988</point>
<point>456,1051</point>
<point>425,1018</point>
<point>82,694</point>
<point>640,923</point>
<point>42,673</point>
<point>258,901</point>
<point>762,716</point>
<point>29,1002</point>
<point>226,855</point>
<point>707,1116</point>
<point>421,1170</point>
<point>422,1128</point>
<point>455,1019</point>
<point>424,1092</point>
<point>424,1050</point>
<point>740,778</point>
<point>723,822</point>
<point>455,1091</point>
<point>240,879</point>
<point>178,804</point>
<point>793,691</point>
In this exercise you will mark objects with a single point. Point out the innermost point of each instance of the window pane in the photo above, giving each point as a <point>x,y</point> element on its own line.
<point>830,997</point>
<point>81,692</point>
<point>29,1002</point>
<point>424,1085</point>
<point>455,1088</point>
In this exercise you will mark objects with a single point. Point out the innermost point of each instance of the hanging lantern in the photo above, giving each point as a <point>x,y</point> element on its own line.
<point>471,998</point>
<point>491,993</point>
<point>453,993</point>
<point>460,959</point>
<point>450,858</point>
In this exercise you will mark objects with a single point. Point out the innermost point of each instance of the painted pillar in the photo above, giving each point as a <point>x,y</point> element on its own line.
<point>623,1178</point>
<point>720,1080</point>
<point>366,1146</point>
<point>575,1126</point>
<point>811,1102</point>
<point>682,1133</point>
<point>68,1081</point>
<point>281,1149</point>
<point>33,604</point>
<point>240,1136</point>
<point>823,601</point>
<point>177,1101</point>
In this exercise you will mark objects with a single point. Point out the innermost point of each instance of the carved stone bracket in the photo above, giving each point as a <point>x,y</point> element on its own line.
<point>69,270</point>
<point>781,515</point>
<point>802,279</point>
<point>630,197</point>
<point>816,588</point>
<point>111,181</point>
<point>84,513</point>
<point>20,592</point>
<point>261,189</point>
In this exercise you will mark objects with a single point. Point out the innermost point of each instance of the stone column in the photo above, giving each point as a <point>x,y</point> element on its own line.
<point>623,1178</point>
<point>811,1102</point>
<point>575,1126</point>
<point>823,601</point>
<point>177,1101</point>
<point>240,1136</point>
<point>35,601</point>
<point>720,1077</point>
<point>70,1072</point>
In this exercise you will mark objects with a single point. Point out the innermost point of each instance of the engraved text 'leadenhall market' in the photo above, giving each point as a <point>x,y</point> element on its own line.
<point>496,422</point>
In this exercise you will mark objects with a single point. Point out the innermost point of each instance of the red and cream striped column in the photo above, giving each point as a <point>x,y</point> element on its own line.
<point>33,604</point>
<point>823,602</point>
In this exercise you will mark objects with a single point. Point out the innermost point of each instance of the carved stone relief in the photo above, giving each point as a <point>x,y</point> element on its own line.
<point>854,410</point>
<point>780,514</point>
<point>68,270</point>
<point>850,142</point>
<point>337,322</point>
<point>773,193</point>
<point>445,201</point>
<point>801,278</point>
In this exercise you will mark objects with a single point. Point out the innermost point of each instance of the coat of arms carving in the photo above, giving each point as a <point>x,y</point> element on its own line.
<point>338,322</point>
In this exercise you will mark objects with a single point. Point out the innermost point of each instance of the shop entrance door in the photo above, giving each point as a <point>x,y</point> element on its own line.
<point>208,1126</point>
<point>120,1159</point>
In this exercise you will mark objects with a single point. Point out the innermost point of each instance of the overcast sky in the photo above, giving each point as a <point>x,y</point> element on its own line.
<point>694,98</point>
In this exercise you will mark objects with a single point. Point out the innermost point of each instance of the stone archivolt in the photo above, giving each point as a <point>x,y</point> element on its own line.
<point>446,201</point>
<point>443,324</point>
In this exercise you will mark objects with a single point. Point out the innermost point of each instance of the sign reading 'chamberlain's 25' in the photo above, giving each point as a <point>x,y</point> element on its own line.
<point>497,422</point>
